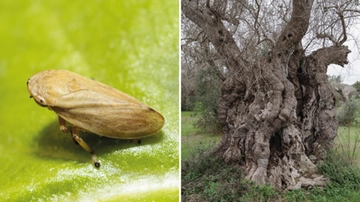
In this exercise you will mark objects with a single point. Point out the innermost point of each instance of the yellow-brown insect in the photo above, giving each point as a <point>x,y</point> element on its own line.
<point>91,106</point>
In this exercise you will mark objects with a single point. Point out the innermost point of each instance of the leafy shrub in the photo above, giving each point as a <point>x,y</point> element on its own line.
<point>207,100</point>
<point>341,172</point>
<point>210,179</point>
<point>347,113</point>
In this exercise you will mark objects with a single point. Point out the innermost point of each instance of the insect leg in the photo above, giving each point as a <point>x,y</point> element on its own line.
<point>82,143</point>
<point>63,127</point>
<point>62,124</point>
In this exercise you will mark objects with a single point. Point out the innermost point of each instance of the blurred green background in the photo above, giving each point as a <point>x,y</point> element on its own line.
<point>130,45</point>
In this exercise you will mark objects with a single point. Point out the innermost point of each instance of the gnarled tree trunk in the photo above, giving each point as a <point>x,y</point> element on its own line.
<point>278,112</point>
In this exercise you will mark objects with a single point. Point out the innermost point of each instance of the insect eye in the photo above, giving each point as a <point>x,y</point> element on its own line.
<point>40,102</point>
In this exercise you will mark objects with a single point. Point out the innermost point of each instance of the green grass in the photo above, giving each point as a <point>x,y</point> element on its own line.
<point>347,143</point>
<point>187,126</point>
<point>193,139</point>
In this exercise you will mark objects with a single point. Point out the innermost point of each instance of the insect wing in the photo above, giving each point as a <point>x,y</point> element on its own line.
<point>108,116</point>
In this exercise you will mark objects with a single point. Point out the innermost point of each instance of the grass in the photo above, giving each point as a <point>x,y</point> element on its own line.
<point>187,126</point>
<point>347,143</point>
<point>192,138</point>
<point>202,181</point>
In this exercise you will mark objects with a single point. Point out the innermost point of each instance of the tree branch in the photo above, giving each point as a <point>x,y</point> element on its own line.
<point>328,36</point>
<point>340,14</point>
<point>332,55</point>
<point>216,32</point>
<point>216,70</point>
<point>295,30</point>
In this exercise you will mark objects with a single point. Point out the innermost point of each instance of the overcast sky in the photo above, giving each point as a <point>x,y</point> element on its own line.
<point>350,73</point>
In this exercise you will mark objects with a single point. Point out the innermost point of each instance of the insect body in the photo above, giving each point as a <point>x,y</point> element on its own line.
<point>91,106</point>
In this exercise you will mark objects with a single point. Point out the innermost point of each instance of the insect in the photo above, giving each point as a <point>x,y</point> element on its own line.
<point>88,105</point>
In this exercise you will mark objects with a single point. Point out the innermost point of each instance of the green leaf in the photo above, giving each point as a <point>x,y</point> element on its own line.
<point>130,45</point>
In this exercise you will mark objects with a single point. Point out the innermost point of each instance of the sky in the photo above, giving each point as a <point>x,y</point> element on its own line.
<point>350,73</point>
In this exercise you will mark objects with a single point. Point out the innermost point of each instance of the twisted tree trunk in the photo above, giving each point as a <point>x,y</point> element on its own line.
<point>279,112</point>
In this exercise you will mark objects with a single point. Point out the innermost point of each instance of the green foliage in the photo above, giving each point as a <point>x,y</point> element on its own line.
<point>187,101</point>
<point>344,182</point>
<point>187,123</point>
<point>341,172</point>
<point>347,143</point>
<point>207,100</point>
<point>347,112</point>
<point>357,86</point>
<point>210,179</point>
<point>193,142</point>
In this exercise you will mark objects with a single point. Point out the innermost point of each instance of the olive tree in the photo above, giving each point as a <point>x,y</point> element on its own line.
<point>277,108</point>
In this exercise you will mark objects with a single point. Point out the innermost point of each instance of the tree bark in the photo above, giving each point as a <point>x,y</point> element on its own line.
<point>278,111</point>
